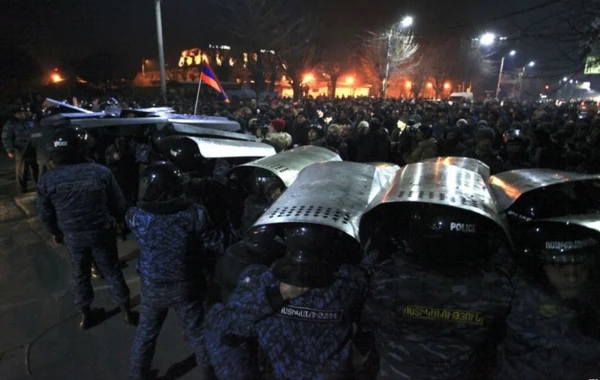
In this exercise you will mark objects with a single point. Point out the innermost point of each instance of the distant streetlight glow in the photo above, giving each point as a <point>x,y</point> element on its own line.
<point>487,39</point>
<point>407,22</point>
<point>446,86</point>
<point>547,87</point>
<point>429,85</point>
<point>531,64</point>
<point>56,78</point>
<point>512,52</point>
<point>565,79</point>
<point>350,80</point>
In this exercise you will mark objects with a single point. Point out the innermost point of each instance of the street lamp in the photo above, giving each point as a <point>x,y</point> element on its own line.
<point>407,22</point>
<point>522,76</point>
<point>512,53</point>
<point>487,39</point>
<point>161,51</point>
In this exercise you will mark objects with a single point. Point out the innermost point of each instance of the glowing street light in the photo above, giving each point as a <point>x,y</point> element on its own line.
<point>531,64</point>
<point>512,53</point>
<point>565,79</point>
<point>407,22</point>
<point>446,86</point>
<point>487,39</point>
<point>56,78</point>
<point>308,78</point>
<point>429,85</point>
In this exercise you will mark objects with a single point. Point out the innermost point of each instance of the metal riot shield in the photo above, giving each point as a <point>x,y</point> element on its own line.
<point>330,194</point>
<point>64,106</point>
<point>529,194</point>
<point>465,163</point>
<point>287,164</point>
<point>435,183</point>
<point>208,131</point>
<point>223,148</point>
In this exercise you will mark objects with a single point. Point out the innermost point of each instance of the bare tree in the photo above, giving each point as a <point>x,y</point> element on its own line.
<point>339,55</point>
<point>385,52</point>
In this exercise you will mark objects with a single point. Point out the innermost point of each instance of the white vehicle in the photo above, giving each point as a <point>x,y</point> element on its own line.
<point>461,97</point>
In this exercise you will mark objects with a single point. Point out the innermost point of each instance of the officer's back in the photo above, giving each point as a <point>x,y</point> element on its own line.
<point>85,196</point>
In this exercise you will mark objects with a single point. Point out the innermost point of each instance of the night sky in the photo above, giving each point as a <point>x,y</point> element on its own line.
<point>52,30</point>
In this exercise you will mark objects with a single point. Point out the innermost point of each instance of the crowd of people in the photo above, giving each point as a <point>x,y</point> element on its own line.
<point>439,298</point>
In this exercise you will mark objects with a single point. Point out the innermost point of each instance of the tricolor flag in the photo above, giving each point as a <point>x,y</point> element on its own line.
<point>207,76</point>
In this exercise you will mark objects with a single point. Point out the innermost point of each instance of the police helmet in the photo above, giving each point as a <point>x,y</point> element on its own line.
<point>161,181</point>
<point>185,154</point>
<point>263,183</point>
<point>19,109</point>
<point>51,111</point>
<point>560,243</point>
<point>310,258</point>
<point>553,201</point>
<point>445,237</point>
<point>158,136</point>
<point>65,146</point>
<point>266,242</point>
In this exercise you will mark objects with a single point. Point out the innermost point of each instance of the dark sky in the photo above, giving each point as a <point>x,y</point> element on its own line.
<point>53,29</point>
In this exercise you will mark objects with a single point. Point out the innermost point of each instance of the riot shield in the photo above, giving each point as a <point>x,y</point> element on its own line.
<point>509,187</point>
<point>435,183</point>
<point>64,107</point>
<point>287,164</point>
<point>330,194</point>
<point>465,163</point>
<point>224,148</point>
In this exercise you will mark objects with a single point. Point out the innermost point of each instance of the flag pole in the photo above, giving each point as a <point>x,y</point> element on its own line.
<point>198,95</point>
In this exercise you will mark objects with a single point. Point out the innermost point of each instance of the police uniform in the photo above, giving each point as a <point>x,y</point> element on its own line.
<point>307,338</point>
<point>16,136</point>
<point>430,326</point>
<point>552,331</point>
<point>174,242</point>
<point>40,136</point>
<point>81,202</point>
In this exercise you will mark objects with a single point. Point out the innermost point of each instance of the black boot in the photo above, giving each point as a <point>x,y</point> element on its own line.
<point>90,317</point>
<point>131,318</point>
<point>96,273</point>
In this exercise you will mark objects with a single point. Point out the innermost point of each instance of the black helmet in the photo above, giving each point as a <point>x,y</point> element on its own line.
<point>185,154</point>
<point>18,109</point>
<point>310,259</point>
<point>65,146</point>
<point>51,111</point>
<point>443,237</point>
<point>262,183</point>
<point>266,242</point>
<point>560,243</point>
<point>161,181</point>
<point>157,136</point>
<point>553,201</point>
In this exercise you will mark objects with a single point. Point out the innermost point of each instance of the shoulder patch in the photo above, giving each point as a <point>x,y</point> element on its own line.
<point>550,310</point>
<point>447,315</point>
<point>311,315</point>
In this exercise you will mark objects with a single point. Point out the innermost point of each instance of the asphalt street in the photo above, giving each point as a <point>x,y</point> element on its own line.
<point>39,335</point>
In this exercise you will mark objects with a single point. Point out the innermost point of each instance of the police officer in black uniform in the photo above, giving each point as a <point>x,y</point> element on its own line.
<point>175,237</point>
<point>80,203</point>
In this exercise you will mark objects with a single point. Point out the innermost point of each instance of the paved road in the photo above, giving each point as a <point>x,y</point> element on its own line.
<point>38,322</point>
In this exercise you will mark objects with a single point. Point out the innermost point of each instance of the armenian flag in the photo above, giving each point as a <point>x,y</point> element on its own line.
<point>207,76</point>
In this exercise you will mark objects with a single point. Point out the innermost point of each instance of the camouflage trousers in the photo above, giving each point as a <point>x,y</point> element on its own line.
<point>101,247</point>
<point>186,299</point>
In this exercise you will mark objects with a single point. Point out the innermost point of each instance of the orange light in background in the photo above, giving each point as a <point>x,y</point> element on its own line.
<point>308,78</point>
<point>547,87</point>
<point>446,85</point>
<point>408,84</point>
<point>56,69</point>
<point>429,85</point>
<point>350,80</point>
<point>56,78</point>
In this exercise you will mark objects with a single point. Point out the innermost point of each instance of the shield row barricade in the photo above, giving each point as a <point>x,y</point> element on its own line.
<point>353,198</point>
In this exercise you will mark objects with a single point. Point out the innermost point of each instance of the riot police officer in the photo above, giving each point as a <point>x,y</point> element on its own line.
<point>553,330</point>
<point>263,188</point>
<point>175,238</point>
<point>16,138</point>
<point>437,301</point>
<point>79,203</point>
<point>301,310</point>
<point>40,136</point>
